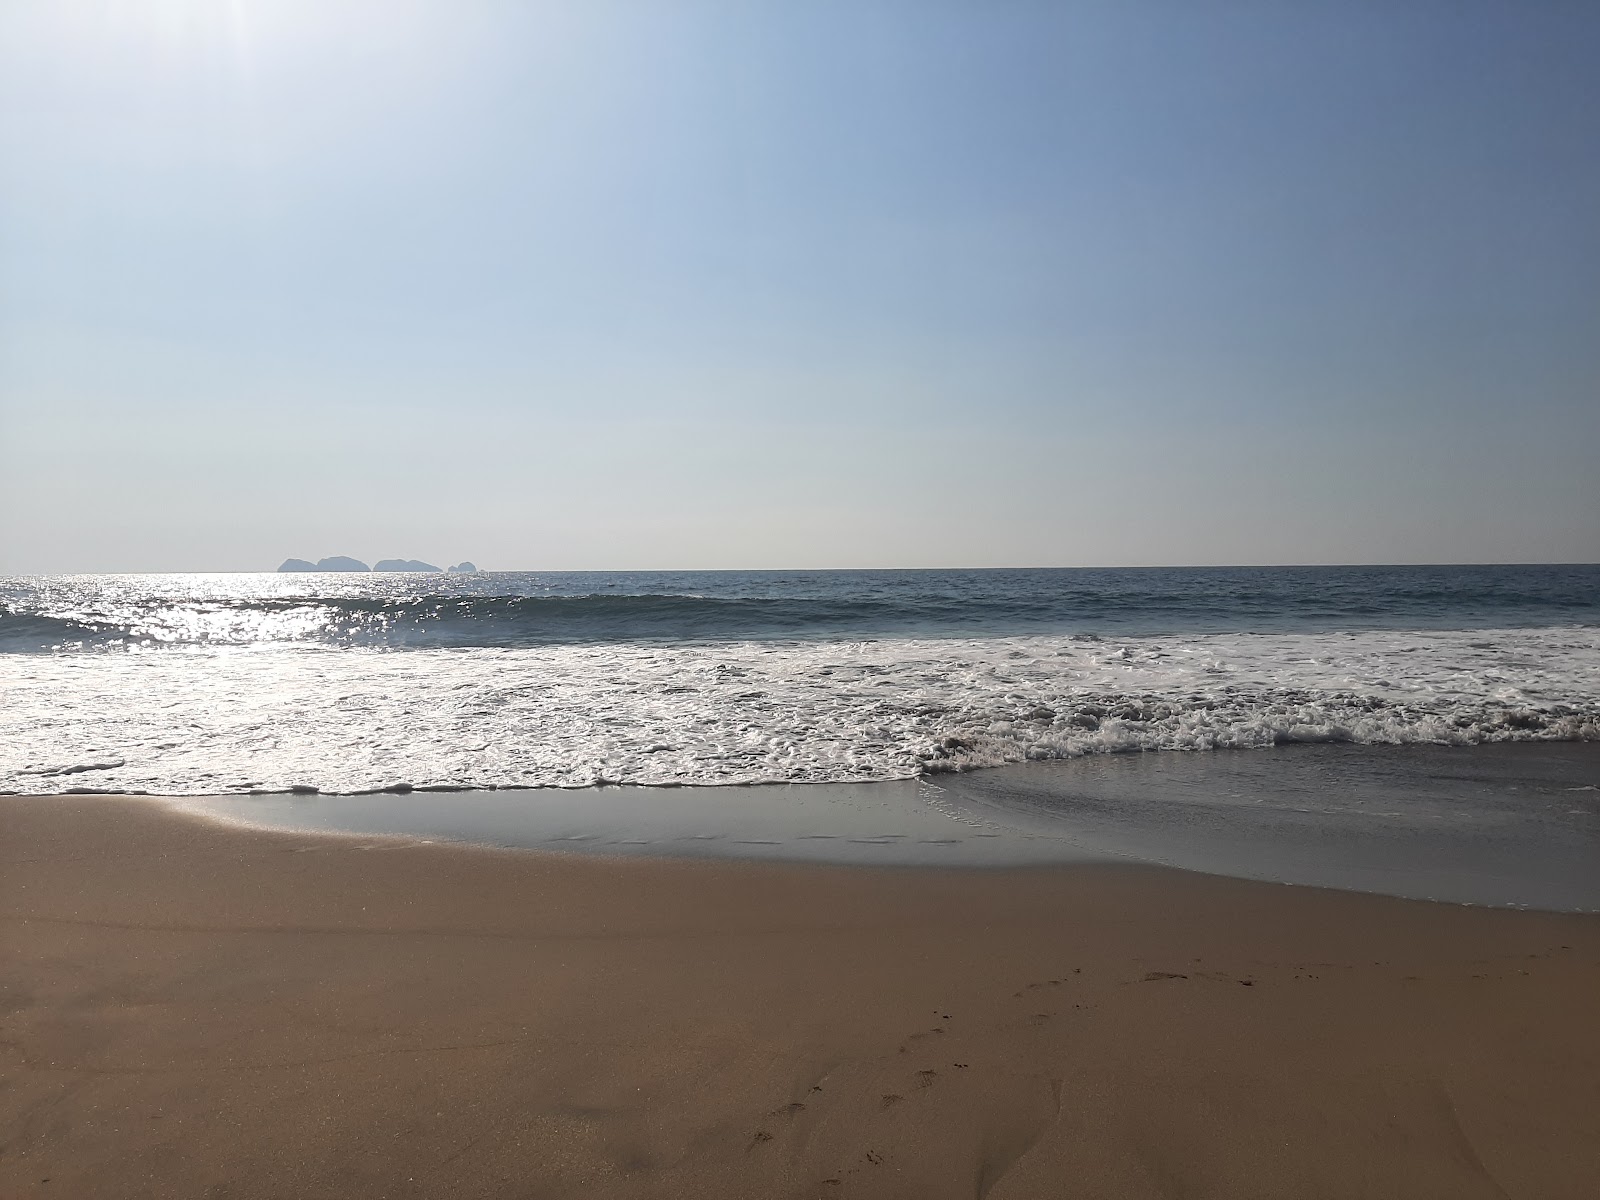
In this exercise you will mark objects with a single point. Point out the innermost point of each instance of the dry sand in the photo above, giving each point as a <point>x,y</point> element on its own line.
<point>190,1010</point>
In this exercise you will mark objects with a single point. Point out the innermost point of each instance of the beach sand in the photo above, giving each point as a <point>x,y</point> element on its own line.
<point>188,1009</point>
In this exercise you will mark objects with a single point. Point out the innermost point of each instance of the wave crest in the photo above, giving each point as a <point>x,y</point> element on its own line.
<point>34,633</point>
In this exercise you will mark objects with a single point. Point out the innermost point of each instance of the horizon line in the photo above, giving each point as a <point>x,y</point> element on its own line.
<point>839,570</point>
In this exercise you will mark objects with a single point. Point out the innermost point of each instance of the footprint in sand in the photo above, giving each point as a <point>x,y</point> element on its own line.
<point>917,1037</point>
<point>788,1110</point>
<point>889,1100</point>
<point>925,1078</point>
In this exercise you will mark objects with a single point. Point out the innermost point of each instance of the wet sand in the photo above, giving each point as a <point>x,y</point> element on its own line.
<point>1511,825</point>
<point>190,1009</point>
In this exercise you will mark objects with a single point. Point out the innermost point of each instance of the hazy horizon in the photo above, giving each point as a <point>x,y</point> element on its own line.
<point>776,570</point>
<point>693,286</point>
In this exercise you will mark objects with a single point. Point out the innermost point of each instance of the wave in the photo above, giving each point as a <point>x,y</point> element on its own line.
<point>472,621</point>
<point>490,622</point>
<point>757,712</point>
<point>374,616</point>
<point>23,633</point>
<point>1118,724</point>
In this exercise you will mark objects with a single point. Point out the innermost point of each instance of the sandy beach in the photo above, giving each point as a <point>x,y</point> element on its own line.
<point>793,601</point>
<point>191,1009</point>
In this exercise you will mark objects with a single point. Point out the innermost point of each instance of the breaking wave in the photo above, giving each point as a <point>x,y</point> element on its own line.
<point>229,719</point>
<point>197,684</point>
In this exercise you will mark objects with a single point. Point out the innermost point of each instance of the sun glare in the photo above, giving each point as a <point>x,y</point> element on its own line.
<point>180,34</point>
<point>169,29</point>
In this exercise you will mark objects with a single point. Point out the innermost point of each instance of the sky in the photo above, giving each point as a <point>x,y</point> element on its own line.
<point>668,284</point>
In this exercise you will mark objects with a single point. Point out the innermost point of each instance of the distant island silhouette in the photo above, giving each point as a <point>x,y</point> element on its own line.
<point>340,562</point>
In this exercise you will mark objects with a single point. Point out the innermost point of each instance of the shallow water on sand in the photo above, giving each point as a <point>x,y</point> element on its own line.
<point>1514,825</point>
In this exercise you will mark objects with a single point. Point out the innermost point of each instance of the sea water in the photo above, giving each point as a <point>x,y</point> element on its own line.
<point>350,683</point>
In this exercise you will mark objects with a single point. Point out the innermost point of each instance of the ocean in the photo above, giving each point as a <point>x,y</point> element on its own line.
<point>183,685</point>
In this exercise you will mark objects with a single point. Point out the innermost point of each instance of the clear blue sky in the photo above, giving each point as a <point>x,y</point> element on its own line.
<point>749,284</point>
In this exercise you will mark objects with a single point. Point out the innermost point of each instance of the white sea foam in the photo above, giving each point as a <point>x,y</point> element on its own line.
<point>208,720</point>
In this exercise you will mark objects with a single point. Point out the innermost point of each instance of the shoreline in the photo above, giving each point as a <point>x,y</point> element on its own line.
<point>191,1006</point>
<point>1514,826</point>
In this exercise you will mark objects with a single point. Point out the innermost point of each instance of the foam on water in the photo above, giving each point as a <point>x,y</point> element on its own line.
<point>275,715</point>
